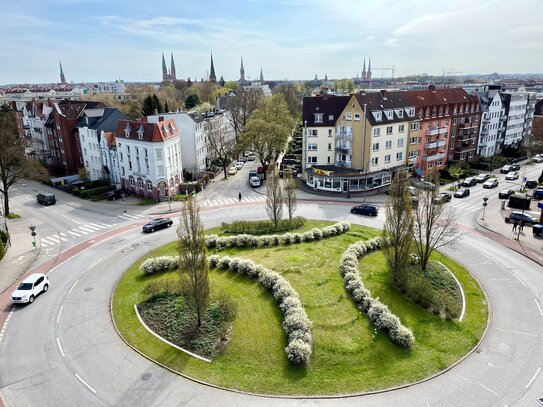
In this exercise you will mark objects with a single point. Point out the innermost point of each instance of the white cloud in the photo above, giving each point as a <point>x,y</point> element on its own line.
<point>423,24</point>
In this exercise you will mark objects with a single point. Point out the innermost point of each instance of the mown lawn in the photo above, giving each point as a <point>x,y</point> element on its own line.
<point>348,356</point>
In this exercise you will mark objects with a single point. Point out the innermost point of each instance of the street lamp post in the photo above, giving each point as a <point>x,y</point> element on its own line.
<point>484,206</point>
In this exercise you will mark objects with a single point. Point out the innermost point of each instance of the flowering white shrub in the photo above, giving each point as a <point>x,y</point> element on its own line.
<point>296,323</point>
<point>161,263</point>
<point>378,313</point>
<point>308,236</point>
<point>317,233</point>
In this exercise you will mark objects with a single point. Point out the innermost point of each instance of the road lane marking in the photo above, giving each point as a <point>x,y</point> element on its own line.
<point>73,233</point>
<point>86,228</point>
<point>538,307</point>
<point>60,347</point>
<point>70,291</point>
<point>59,312</point>
<point>85,383</point>
<point>521,282</point>
<point>533,378</point>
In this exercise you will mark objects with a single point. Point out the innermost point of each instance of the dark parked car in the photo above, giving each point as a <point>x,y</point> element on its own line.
<point>482,178</point>
<point>538,194</point>
<point>519,217</point>
<point>426,185</point>
<point>365,210</point>
<point>116,194</point>
<point>442,197</point>
<point>156,224</point>
<point>469,182</point>
<point>462,193</point>
<point>45,198</point>
<point>531,184</point>
<point>514,167</point>
<point>505,193</point>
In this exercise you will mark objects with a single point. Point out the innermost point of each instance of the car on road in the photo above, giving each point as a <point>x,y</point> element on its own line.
<point>531,184</point>
<point>505,169</point>
<point>251,157</point>
<point>253,173</point>
<point>469,182</point>
<point>505,193</point>
<point>232,171</point>
<point>512,176</point>
<point>442,197</point>
<point>238,165</point>
<point>491,183</point>
<point>243,159</point>
<point>157,224</point>
<point>46,198</point>
<point>519,217</point>
<point>30,288</point>
<point>365,210</point>
<point>515,167</point>
<point>254,182</point>
<point>116,194</point>
<point>538,158</point>
<point>482,178</point>
<point>462,193</point>
<point>426,185</point>
<point>538,194</point>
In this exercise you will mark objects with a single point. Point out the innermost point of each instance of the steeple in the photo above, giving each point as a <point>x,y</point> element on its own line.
<point>212,76</point>
<point>326,76</point>
<point>164,69</point>
<point>369,70</point>
<point>172,70</point>
<point>261,76</point>
<point>62,77</point>
<point>364,70</point>
<point>242,72</point>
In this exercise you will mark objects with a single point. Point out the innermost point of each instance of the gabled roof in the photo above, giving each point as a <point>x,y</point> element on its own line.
<point>100,118</point>
<point>436,97</point>
<point>384,101</point>
<point>330,106</point>
<point>152,132</point>
<point>72,109</point>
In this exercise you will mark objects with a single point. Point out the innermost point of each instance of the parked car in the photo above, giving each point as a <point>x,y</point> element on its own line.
<point>506,168</point>
<point>515,167</point>
<point>505,193</point>
<point>238,165</point>
<point>512,176</point>
<point>243,159</point>
<point>519,217</point>
<point>365,210</point>
<point>116,194</point>
<point>426,185</point>
<point>254,182</point>
<point>469,182</point>
<point>538,194</point>
<point>232,171</point>
<point>491,183</point>
<point>482,178</point>
<point>531,184</point>
<point>462,193</point>
<point>157,224</point>
<point>442,197</point>
<point>251,157</point>
<point>30,288</point>
<point>253,173</point>
<point>538,158</point>
<point>46,198</point>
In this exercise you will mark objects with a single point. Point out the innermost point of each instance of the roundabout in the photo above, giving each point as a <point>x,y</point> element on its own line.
<point>82,361</point>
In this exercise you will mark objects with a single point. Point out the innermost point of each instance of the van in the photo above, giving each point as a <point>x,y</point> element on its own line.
<point>46,198</point>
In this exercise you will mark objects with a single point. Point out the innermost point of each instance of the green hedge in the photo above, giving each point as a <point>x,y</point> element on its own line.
<point>89,193</point>
<point>4,236</point>
<point>2,250</point>
<point>262,227</point>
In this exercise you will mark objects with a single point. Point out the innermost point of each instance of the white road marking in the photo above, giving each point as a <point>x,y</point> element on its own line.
<point>86,228</point>
<point>59,312</point>
<point>73,233</point>
<point>85,383</point>
<point>538,307</point>
<point>70,291</point>
<point>533,378</point>
<point>93,228</point>
<point>521,282</point>
<point>98,225</point>
<point>84,232</point>
<point>536,255</point>
<point>60,347</point>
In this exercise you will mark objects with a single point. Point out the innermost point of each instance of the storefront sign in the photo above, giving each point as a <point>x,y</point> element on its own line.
<point>323,172</point>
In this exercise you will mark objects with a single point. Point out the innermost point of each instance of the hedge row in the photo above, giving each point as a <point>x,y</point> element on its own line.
<point>378,313</point>
<point>262,227</point>
<point>245,240</point>
<point>296,323</point>
<point>161,263</point>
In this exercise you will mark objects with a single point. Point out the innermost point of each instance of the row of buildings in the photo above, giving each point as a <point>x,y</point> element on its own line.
<point>151,157</point>
<point>358,142</point>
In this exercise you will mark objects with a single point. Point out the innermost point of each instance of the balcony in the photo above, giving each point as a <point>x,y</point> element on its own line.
<point>344,164</point>
<point>503,118</point>
<point>435,132</point>
<point>344,136</point>
<point>438,156</point>
<point>435,144</point>
<point>344,149</point>
<point>467,125</point>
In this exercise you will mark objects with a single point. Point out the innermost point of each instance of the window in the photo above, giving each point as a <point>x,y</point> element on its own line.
<point>470,154</point>
<point>454,121</point>
<point>311,160</point>
<point>329,146</point>
<point>349,116</point>
<point>413,140</point>
<point>387,158</point>
<point>439,163</point>
<point>388,144</point>
<point>312,146</point>
<point>462,156</point>
<point>328,160</point>
<point>329,132</point>
<point>401,128</point>
<point>140,183</point>
<point>414,126</point>
<point>400,142</point>
<point>399,156</point>
<point>318,117</point>
<point>430,166</point>
<point>412,153</point>
<point>357,117</point>
<point>375,161</point>
<point>331,117</point>
<point>313,133</point>
<point>389,129</point>
<point>149,186</point>
<point>377,132</point>
<point>132,182</point>
<point>389,114</point>
<point>158,153</point>
<point>400,113</point>
<point>375,146</point>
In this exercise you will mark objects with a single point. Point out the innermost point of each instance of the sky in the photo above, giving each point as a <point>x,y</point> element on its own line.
<point>103,40</point>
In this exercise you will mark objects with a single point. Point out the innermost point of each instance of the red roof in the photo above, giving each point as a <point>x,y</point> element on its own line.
<point>153,132</point>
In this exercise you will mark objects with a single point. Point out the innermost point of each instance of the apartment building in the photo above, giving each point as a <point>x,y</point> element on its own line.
<point>464,134</point>
<point>493,119</point>
<point>517,113</point>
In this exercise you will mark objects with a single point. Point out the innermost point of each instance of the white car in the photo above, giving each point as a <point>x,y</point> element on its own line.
<point>30,288</point>
<point>232,171</point>
<point>238,165</point>
<point>491,183</point>
<point>512,175</point>
<point>254,182</point>
<point>538,158</point>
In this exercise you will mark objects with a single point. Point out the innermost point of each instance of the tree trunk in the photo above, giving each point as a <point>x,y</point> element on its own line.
<point>6,203</point>
<point>224,169</point>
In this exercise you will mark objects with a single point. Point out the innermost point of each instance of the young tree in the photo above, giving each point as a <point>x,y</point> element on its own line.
<point>241,107</point>
<point>274,199</point>
<point>14,165</point>
<point>289,197</point>
<point>148,106</point>
<point>456,171</point>
<point>221,145</point>
<point>398,228</point>
<point>193,265</point>
<point>191,101</point>
<point>293,97</point>
<point>434,226</point>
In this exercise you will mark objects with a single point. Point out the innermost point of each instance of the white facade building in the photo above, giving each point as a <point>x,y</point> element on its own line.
<point>493,123</point>
<point>109,87</point>
<point>516,118</point>
<point>110,160</point>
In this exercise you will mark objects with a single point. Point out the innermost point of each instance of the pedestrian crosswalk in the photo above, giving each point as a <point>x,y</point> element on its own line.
<point>464,206</point>
<point>129,216</point>
<point>230,201</point>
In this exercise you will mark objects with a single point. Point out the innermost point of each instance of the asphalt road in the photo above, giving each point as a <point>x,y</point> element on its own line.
<point>64,351</point>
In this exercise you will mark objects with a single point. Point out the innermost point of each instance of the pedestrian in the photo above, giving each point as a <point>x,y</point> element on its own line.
<point>522,223</point>
<point>239,196</point>
<point>515,224</point>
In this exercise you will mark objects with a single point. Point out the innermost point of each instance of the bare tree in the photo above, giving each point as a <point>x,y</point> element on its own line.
<point>193,265</point>
<point>289,197</point>
<point>398,228</point>
<point>274,199</point>
<point>219,142</point>
<point>241,107</point>
<point>434,226</point>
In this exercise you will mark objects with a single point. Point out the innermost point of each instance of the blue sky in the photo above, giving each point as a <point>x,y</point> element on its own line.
<point>99,40</point>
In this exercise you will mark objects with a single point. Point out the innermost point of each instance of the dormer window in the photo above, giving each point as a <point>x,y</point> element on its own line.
<point>140,132</point>
<point>164,131</point>
<point>318,117</point>
<point>171,128</point>
<point>399,113</point>
<point>389,114</point>
<point>127,130</point>
<point>331,117</point>
<point>377,115</point>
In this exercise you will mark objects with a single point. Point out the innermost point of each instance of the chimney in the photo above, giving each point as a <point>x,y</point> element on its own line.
<point>160,118</point>
<point>155,112</point>
<point>432,87</point>
<point>383,93</point>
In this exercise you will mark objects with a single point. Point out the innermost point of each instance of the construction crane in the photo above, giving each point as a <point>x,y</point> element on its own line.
<point>387,68</point>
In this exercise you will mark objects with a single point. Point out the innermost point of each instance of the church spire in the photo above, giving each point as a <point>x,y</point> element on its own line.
<point>173,76</point>
<point>164,68</point>
<point>212,76</point>
<point>62,77</point>
<point>261,76</point>
<point>364,70</point>
<point>369,70</point>
<point>242,72</point>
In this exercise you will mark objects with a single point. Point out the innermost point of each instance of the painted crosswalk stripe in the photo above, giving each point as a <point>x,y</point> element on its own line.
<point>128,216</point>
<point>99,225</point>
<point>85,228</point>
<point>73,233</point>
<point>50,240</point>
<point>63,237</point>
<point>93,228</point>
<point>81,231</point>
